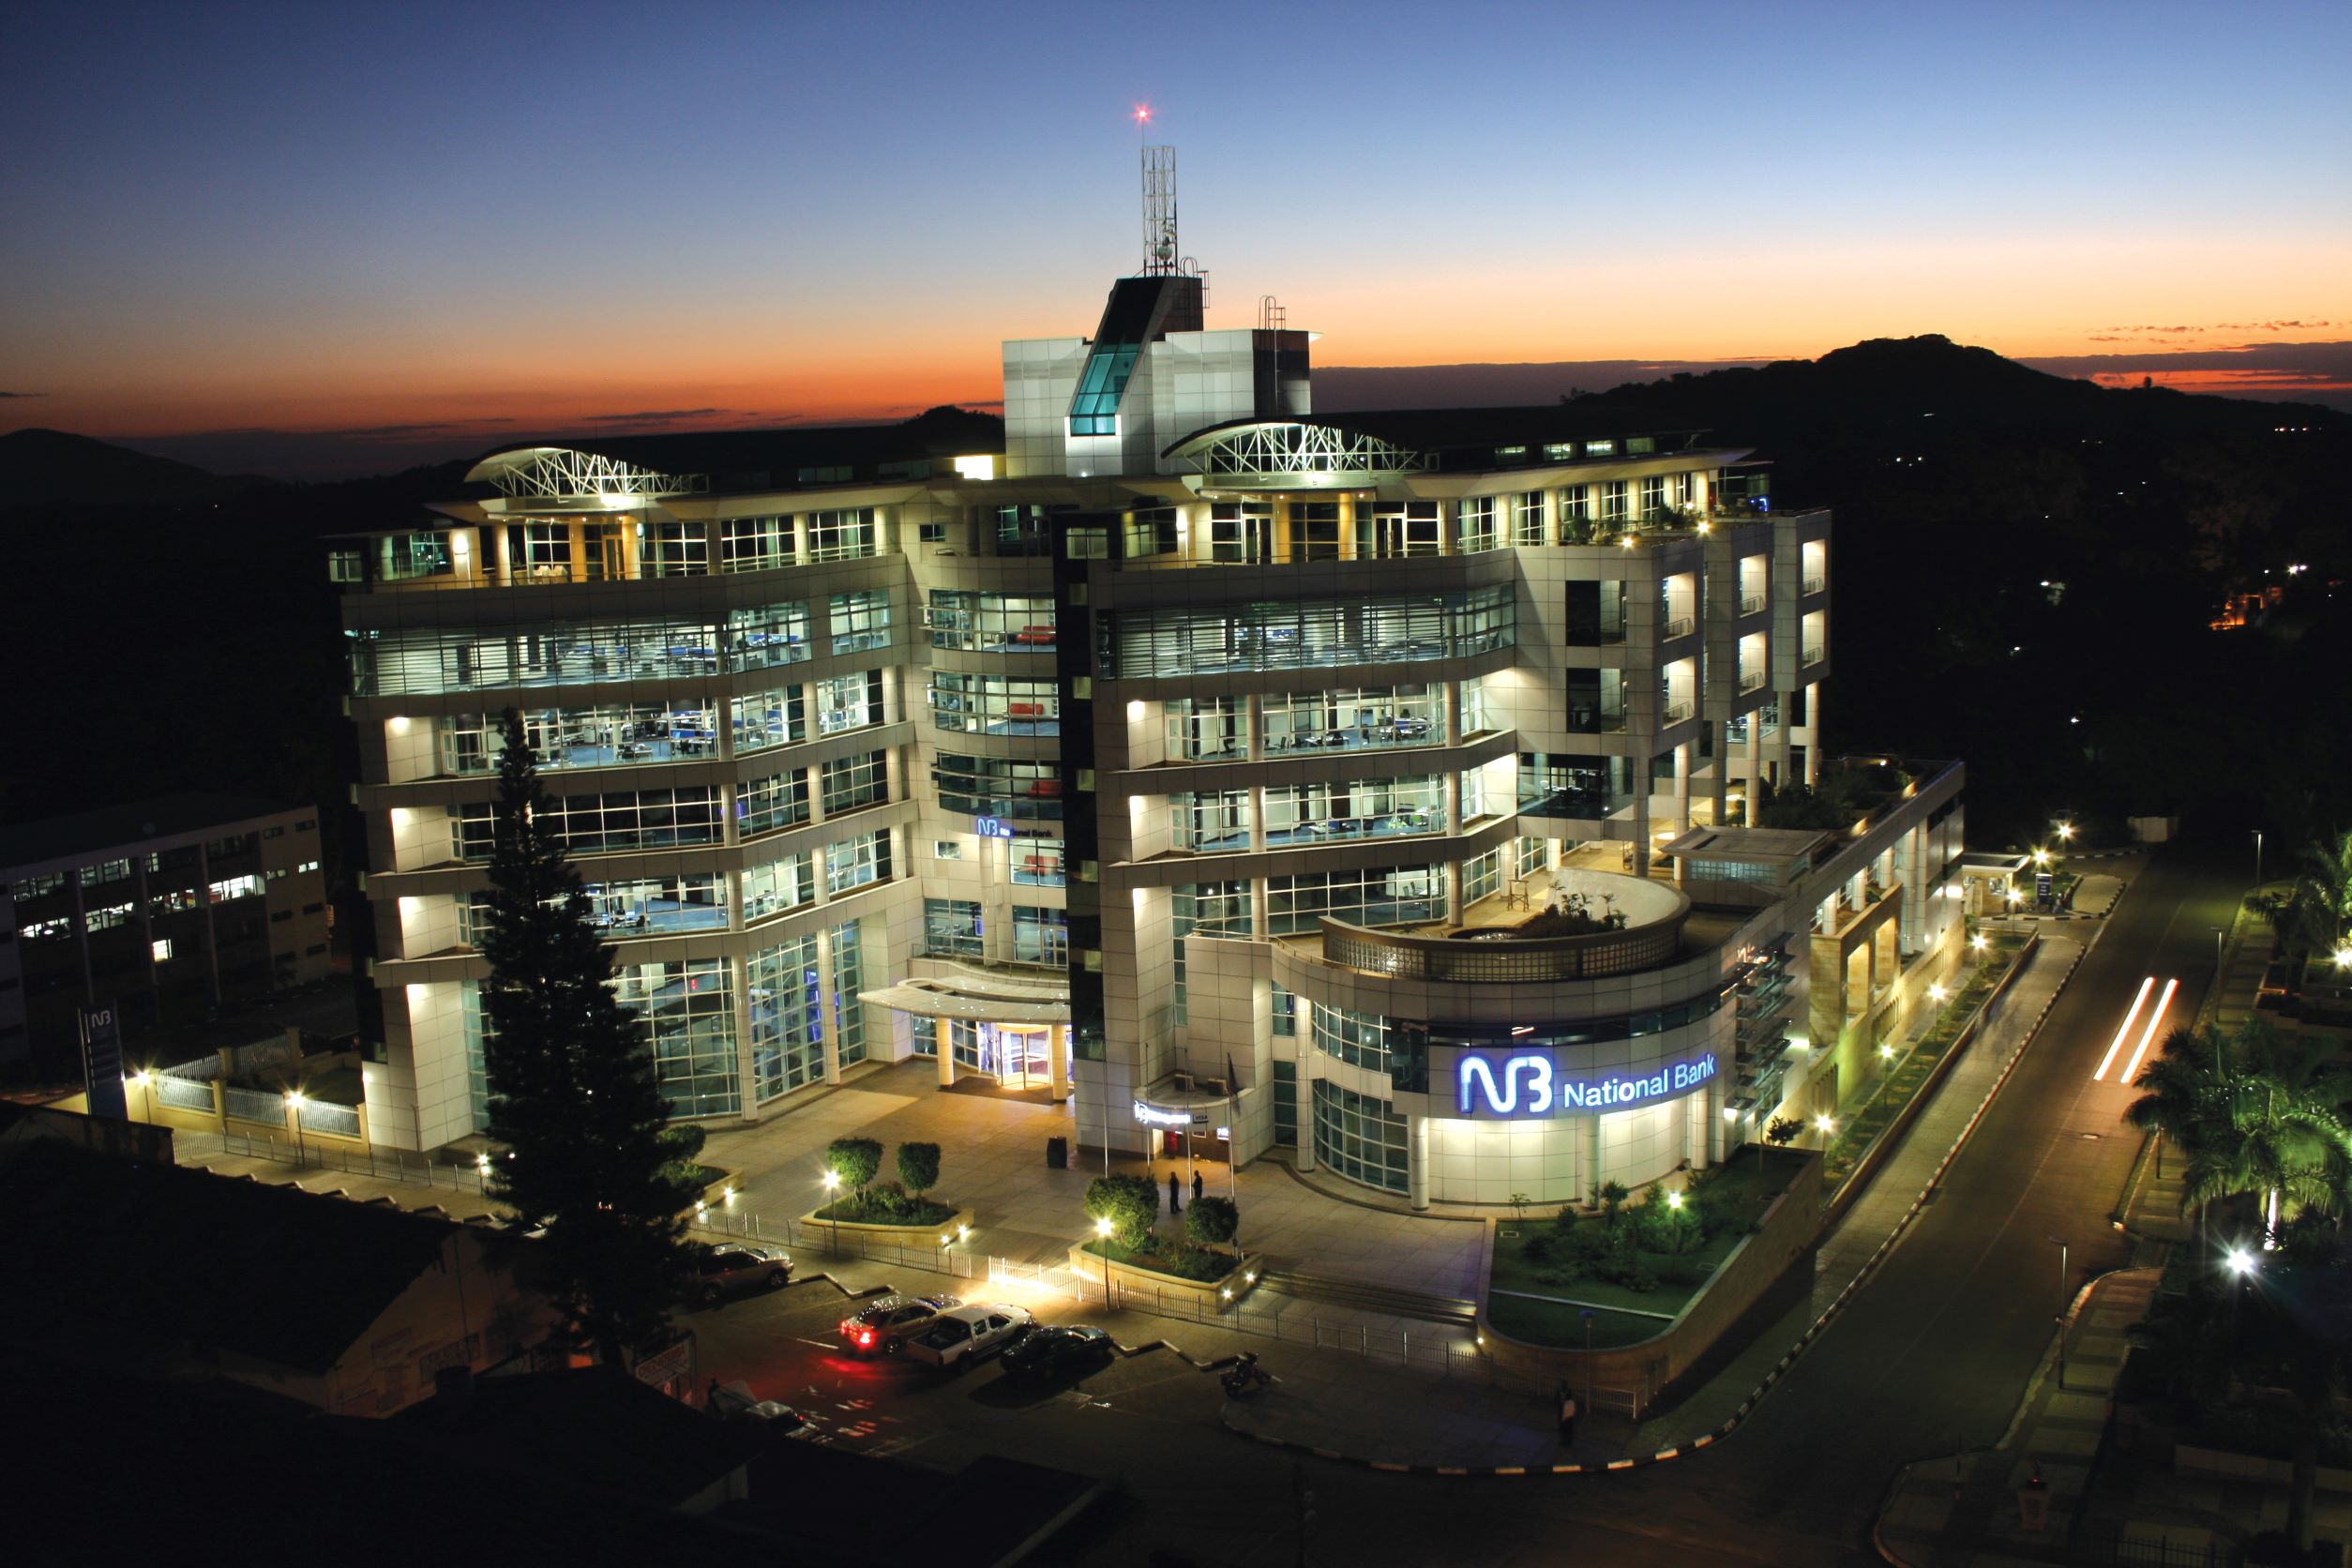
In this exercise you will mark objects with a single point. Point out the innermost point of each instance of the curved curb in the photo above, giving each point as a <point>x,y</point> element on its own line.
<point>1829,1315</point>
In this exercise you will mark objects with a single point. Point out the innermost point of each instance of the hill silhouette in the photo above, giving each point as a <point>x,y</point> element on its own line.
<point>43,467</point>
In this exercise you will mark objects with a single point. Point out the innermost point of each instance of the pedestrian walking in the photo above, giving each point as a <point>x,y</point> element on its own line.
<point>1155,1191</point>
<point>1196,1187</point>
<point>1567,1417</point>
<point>1175,1199</point>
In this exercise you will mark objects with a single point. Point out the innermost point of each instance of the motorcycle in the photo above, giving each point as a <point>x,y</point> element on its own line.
<point>1244,1375</point>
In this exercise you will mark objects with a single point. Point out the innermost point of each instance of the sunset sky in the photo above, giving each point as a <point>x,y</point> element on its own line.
<point>447,223</point>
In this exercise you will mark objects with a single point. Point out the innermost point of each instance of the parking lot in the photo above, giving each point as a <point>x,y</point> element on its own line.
<point>785,1346</point>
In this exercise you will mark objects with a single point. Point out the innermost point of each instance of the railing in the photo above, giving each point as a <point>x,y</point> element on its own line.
<point>1676,713</point>
<point>390,1165</point>
<point>1815,653</point>
<point>1750,680</point>
<point>1576,958</point>
<point>1682,626</point>
<point>324,1116</point>
<point>1751,603</point>
<point>1815,585</point>
<point>184,1094</point>
<point>254,1105</point>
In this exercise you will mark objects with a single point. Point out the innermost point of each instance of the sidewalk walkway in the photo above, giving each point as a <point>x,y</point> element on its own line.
<point>1969,1509</point>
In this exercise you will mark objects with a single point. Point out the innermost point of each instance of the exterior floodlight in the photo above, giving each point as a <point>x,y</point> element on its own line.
<point>1825,1124</point>
<point>1731,1114</point>
<point>2066,831</point>
<point>2343,960</point>
<point>1978,942</point>
<point>2041,857</point>
<point>1102,1227</point>
<point>1674,1201</point>
<point>2241,1262</point>
<point>1936,993</point>
<point>294,1098</point>
<point>832,1179</point>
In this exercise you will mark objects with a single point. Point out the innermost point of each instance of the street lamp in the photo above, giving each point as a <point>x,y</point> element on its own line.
<point>2066,832</point>
<point>2257,833</point>
<point>833,1184</point>
<point>1826,1125</point>
<point>145,1080</point>
<point>302,1153</point>
<point>1936,993</point>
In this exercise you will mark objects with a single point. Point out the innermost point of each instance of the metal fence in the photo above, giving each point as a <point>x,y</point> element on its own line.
<point>183,1094</point>
<point>2128,1546</point>
<point>254,1105</point>
<point>390,1165</point>
<point>325,1116</point>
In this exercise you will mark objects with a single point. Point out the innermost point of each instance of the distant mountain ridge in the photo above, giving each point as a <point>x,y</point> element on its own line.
<point>1882,385</point>
<point>43,467</point>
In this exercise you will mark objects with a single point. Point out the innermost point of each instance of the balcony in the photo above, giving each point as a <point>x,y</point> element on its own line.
<point>1815,654</point>
<point>1750,680</point>
<point>1681,625</point>
<point>1815,585</point>
<point>1751,604</point>
<point>1675,713</point>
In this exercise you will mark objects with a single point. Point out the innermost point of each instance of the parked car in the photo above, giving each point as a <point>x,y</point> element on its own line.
<point>722,1269</point>
<point>882,1327</point>
<point>1062,1350</point>
<point>970,1332</point>
<point>736,1402</point>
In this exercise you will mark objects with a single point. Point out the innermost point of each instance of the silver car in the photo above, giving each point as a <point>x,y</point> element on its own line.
<point>729,1268</point>
<point>968,1333</point>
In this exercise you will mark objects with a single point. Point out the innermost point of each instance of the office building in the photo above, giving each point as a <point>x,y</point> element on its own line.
<point>1168,747</point>
<point>164,909</point>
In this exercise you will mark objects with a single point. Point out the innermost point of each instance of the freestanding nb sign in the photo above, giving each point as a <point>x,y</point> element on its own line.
<point>1527,1085</point>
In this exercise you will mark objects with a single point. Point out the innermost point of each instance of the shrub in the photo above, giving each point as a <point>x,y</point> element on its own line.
<point>918,1167</point>
<point>1537,1248</point>
<point>1682,1273</point>
<point>1553,1276</point>
<point>1613,1196</point>
<point>1638,1278</point>
<point>856,1160</point>
<point>1131,1204</point>
<point>1212,1221</point>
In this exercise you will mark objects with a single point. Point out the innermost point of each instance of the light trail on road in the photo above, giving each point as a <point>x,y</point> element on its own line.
<point>2154,1023</point>
<point>2121,1035</point>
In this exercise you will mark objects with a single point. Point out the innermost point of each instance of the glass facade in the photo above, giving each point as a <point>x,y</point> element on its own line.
<point>624,819</point>
<point>994,704</point>
<point>997,623</point>
<point>688,1013</point>
<point>849,978</point>
<point>787,1011</point>
<point>1186,640</point>
<point>1359,1138</point>
<point>424,660</point>
<point>1348,716</point>
<point>998,787</point>
<point>1389,895</point>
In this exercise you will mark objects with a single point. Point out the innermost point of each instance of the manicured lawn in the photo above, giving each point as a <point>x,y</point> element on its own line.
<point>851,1211</point>
<point>1744,1186</point>
<point>1164,1256</point>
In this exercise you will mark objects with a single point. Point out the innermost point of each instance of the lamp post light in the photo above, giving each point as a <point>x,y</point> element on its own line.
<point>833,1186</point>
<point>2059,1242</point>
<point>145,1080</point>
<point>1827,1124</point>
<point>2241,1264</point>
<point>302,1153</point>
<point>2257,833</point>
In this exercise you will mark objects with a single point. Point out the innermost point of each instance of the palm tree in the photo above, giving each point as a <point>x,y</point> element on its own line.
<point>2185,1091</point>
<point>2319,910</point>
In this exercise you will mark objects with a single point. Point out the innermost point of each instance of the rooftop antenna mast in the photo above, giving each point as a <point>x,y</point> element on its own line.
<point>1161,255</point>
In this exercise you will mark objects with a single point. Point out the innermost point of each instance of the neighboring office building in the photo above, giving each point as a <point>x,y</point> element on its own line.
<point>166,908</point>
<point>148,1269</point>
<point>933,739</point>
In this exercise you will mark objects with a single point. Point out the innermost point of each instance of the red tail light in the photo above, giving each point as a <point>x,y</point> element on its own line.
<point>865,1336</point>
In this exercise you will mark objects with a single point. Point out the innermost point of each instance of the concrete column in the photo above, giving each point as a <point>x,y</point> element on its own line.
<point>1723,771</point>
<point>1058,1060</point>
<point>829,1031</point>
<point>1813,733</point>
<point>1699,1127</point>
<point>1417,1158</point>
<point>1641,816</point>
<point>1588,1129</point>
<point>1756,761</point>
<point>945,1040</point>
<point>1309,1060</point>
<point>1682,788</point>
<point>739,993</point>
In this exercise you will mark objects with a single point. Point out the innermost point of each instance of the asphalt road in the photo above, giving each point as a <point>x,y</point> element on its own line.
<point>1932,1358</point>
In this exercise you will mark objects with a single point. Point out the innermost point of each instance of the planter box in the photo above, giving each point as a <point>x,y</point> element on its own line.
<point>815,1226</point>
<point>1198,1295</point>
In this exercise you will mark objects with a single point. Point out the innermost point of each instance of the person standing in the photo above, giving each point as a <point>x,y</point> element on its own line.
<point>1196,1185</point>
<point>1567,1416</point>
<point>1175,1197</point>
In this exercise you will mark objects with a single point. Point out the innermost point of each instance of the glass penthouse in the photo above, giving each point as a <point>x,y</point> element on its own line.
<point>1166,746</point>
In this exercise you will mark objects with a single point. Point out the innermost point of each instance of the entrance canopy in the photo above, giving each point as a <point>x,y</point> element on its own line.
<point>979,999</point>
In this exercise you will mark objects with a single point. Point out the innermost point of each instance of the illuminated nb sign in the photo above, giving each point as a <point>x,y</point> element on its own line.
<point>1530,1086</point>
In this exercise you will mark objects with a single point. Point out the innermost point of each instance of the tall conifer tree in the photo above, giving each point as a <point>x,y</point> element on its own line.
<point>587,1153</point>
